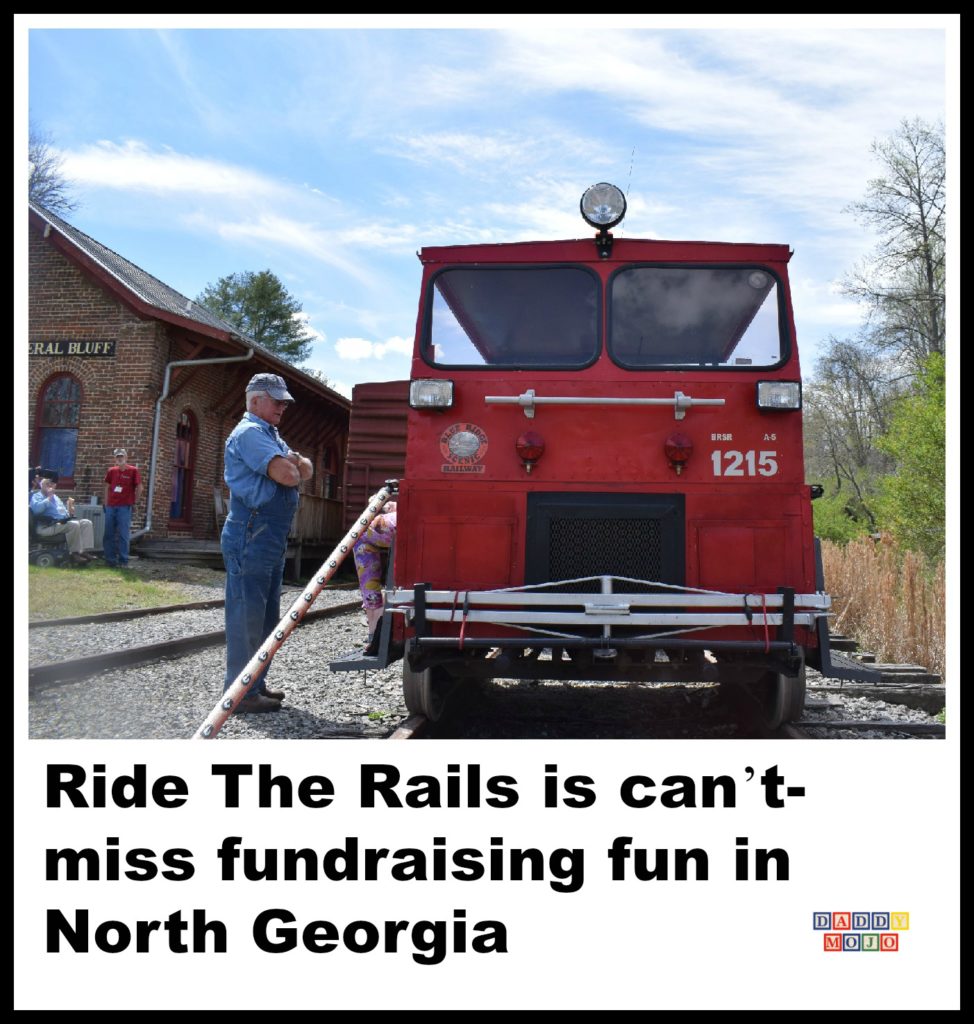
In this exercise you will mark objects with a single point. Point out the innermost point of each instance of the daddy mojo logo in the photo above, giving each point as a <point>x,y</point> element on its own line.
<point>861,931</point>
<point>464,446</point>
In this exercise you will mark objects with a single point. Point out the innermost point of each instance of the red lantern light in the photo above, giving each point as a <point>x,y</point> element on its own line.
<point>678,448</point>
<point>530,448</point>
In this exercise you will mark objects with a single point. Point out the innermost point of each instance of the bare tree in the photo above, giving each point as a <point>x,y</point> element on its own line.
<point>47,185</point>
<point>902,283</point>
<point>858,440</point>
<point>847,408</point>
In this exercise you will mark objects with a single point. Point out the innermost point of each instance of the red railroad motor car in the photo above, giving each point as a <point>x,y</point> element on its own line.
<point>604,476</point>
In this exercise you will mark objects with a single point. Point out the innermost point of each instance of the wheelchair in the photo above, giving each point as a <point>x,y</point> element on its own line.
<point>45,552</point>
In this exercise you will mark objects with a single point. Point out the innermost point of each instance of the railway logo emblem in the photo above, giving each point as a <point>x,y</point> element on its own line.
<point>464,446</point>
<point>861,931</point>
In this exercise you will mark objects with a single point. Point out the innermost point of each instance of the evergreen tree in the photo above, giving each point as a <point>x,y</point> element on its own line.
<point>261,307</point>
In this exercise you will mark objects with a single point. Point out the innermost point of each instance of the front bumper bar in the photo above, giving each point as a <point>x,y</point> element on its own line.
<point>667,611</point>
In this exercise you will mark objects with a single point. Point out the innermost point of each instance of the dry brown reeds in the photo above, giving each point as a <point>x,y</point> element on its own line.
<point>888,601</point>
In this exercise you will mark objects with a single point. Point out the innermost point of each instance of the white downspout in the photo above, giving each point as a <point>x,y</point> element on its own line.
<point>150,492</point>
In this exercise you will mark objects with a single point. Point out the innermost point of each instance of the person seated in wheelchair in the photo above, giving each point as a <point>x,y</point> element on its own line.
<point>53,518</point>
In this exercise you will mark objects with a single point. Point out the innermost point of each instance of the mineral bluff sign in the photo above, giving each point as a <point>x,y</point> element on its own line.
<point>71,348</point>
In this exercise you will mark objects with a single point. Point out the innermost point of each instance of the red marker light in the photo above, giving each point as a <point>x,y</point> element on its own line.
<point>530,448</point>
<point>678,448</point>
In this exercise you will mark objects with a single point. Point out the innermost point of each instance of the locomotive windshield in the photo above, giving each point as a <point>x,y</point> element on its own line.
<point>514,317</point>
<point>694,316</point>
<point>658,317</point>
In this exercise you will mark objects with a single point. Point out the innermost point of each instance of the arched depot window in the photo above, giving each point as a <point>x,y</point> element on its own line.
<point>184,457</point>
<point>56,431</point>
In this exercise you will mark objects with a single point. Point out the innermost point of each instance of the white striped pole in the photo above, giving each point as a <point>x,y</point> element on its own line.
<point>258,663</point>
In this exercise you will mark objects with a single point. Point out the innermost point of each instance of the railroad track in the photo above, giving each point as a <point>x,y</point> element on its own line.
<point>799,730</point>
<point>58,672</point>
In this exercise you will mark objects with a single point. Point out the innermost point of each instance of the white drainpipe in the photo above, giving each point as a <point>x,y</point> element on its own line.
<point>155,428</point>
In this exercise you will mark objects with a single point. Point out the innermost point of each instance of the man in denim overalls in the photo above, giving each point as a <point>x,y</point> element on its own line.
<point>263,475</point>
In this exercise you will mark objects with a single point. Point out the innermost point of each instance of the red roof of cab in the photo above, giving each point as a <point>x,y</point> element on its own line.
<point>624,250</point>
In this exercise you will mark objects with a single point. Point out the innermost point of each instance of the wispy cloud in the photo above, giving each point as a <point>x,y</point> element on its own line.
<point>134,166</point>
<point>533,146</point>
<point>182,79</point>
<point>297,236</point>
<point>777,114</point>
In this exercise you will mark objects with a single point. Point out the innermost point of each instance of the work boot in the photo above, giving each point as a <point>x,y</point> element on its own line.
<point>257,704</point>
<point>274,694</point>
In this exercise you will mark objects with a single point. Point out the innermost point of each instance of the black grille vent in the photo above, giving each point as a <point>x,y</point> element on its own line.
<point>615,547</point>
<point>572,535</point>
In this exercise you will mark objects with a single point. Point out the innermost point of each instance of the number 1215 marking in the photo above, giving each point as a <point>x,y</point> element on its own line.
<point>734,463</point>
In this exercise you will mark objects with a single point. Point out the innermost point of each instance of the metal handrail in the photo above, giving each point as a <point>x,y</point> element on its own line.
<point>530,399</point>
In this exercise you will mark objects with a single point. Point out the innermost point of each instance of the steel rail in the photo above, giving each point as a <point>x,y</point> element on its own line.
<point>138,613</point>
<point>880,725</point>
<point>122,616</point>
<point>57,672</point>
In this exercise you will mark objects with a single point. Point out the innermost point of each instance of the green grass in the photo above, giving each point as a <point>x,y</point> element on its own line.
<point>60,593</point>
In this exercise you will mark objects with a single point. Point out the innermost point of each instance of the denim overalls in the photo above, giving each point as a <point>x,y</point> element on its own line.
<point>254,542</point>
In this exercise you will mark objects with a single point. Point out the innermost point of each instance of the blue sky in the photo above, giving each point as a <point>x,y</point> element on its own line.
<point>329,151</point>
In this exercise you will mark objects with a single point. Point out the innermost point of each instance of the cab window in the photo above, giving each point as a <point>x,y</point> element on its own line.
<point>725,317</point>
<point>513,317</point>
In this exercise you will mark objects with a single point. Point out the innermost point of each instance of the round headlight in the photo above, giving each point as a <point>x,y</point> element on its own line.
<point>603,205</point>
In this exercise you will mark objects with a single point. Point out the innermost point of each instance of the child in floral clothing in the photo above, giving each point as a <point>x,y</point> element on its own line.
<point>367,553</point>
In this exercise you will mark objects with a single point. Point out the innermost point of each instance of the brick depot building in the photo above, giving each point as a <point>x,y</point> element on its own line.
<point>119,359</point>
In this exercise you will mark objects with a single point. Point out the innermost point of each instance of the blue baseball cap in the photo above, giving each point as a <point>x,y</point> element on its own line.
<point>272,384</point>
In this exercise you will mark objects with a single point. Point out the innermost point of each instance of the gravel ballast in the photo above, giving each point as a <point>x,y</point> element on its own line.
<point>170,699</point>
